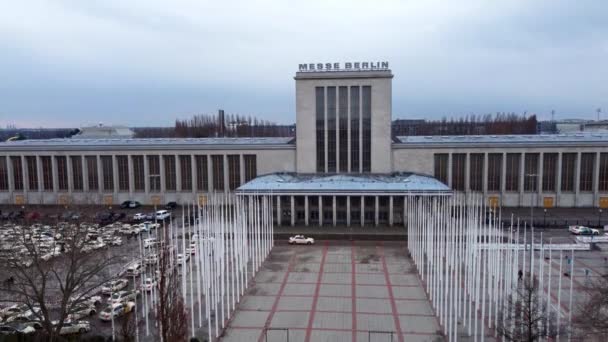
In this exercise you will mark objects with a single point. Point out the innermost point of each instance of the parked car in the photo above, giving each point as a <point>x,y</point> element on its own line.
<point>171,205</point>
<point>151,259</point>
<point>149,284</point>
<point>162,215</point>
<point>134,269</point>
<point>130,205</point>
<point>81,311</point>
<point>13,310</point>
<point>301,240</point>
<point>182,258</point>
<point>114,285</point>
<point>149,242</point>
<point>6,330</point>
<point>78,327</point>
<point>139,217</point>
<point>582,230</point>
<point>124,296</point>
<point>116,310</point>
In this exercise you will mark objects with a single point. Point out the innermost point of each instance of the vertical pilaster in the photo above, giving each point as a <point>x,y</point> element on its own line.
<point>241,169</point>
<point>577,178</point>
<point>539,178</point>
<point>146,175</point>
<point>210,173</point>
<point>85,174</point>
<point>320,210</point>
<point>163,178</point>
<point>194,176</point>
<point>558,180</point>
<point>10,173</point>
<point>226,179</point>
<point>99,175</point>
<point>279,213</point>
<point>55,174</point>
<point>467,173</point>
<point>26,175</point>
<point>178,173</point>
<point>390,211</point>
<point>115,173</point>
<point>40,177</point>
<point>485,175</point>
<point>334,210</point>
<point>348,138</point>
<point>596,180</point>
<point>503,175</point>
<point>306,213</point>
<point>69,171</point>
<point>376,211</point>
<point>348,198</point>
<point>362,211</point>
<point>450,169</point>
<point>131,175</point>
<point>293,211</point>
<point>522,175</point>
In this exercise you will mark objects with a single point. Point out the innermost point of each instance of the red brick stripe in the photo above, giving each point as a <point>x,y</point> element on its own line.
<point>313,309</point>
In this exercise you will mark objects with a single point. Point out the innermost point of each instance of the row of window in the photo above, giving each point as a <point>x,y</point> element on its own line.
<point>332,124</point>
<point>531,172</point>
<point>58,166</point>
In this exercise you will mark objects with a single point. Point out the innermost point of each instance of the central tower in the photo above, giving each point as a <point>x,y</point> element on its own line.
<point>343,120</point>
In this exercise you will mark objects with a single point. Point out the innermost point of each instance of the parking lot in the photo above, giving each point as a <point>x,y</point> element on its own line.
<point>335,291</point>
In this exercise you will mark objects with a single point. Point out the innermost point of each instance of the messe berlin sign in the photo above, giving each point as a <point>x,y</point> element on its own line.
<point>348,66</point>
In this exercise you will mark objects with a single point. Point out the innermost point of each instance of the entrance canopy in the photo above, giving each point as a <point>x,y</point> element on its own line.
<point>345,184</point>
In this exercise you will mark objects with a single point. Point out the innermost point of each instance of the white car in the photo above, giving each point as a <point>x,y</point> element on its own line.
<point>79,327</point>
<point>114,285</point>
<point>81,311</point>
<point>116,310</point>
<point>182,258</point>
<point>13,310</point>
<point>162,215</point>
<point>139,217</point>
<point>149,242</point>
<point>301,240</point>
<point>582,230</point>
<point>134,269</point>
<point>124,296</point>
<point>151,225</point>
<point>149,284</point>
<point>151,259</point>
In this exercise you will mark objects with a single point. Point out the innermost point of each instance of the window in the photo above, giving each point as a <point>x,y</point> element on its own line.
<point>185,168</point>
<point>343,128</point>
<point>92,175</point>
<point>458,171</point>
<point>512,176</point>
<point>587,170</point>
<point>139,176</point>
<point>77,182</point>
<point>170,176</point>
<point>154,173</point>
<point>17,172</point>
<point>331,129</point>
<point>354,129</point>
<point>250,167</point>
<point>47,173</point>
<point>568,167</point>
<point>494,171</point>
<point>531,172</point>
<point>367,128</point>
<point>234,171</point>
<point>62,172</point>
<point>202,179</point>
<point>123,172</point>
<point>107,170</point>
<point>441,167</point>
<point>217,163</point>
<point>549,170</point>
<point>32,172</point>
<point>3,174</point>
<point>476,172</point>
<point>320,115</point>
<point>603,176</point>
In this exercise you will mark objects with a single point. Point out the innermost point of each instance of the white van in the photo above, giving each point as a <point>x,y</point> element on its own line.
<point>162,214</point>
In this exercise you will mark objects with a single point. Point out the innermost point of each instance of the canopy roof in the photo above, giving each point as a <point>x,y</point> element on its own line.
<point>343,184</point>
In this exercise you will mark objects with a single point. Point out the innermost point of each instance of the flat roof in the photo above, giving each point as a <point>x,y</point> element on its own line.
<point>337,184</point>
<point>533,140</point>
<point>149,143</point>
<point>355,73</point>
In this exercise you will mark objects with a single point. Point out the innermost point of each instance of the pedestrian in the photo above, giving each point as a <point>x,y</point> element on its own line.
<point>520,275</point>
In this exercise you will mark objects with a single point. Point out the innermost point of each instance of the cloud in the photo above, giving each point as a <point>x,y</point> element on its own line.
<point>146,62</point>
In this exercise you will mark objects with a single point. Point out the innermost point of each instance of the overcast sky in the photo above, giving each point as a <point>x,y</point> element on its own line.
<point>147,62</point>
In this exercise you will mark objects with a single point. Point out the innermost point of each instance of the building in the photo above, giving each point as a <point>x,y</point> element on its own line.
<point>343,167</point>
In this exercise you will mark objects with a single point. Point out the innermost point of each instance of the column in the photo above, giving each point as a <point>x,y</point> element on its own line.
<point>178,173</point>
<point>146,175</point>
<point>405,199</point>
<point>326,150</point>
<point>577,178</point>
<point>450,170</point>
<point>293,211</point>
<point>115,173</point>
<point>85,174</point>
<point>376,210</point>
<point>540,172</point>
<point>161,164</point>
<point>40,178</point>
<point>226,183</point>
<point>278,210</point>
<point>485,175</point>
<point>362,213</point>
<point>348,139</point>
<point>241,169</point>
<point>467,171</point>
<point>99,175</point>
<point>390,211</point>
<point>334,211</point>
<point>522,175</point>
<point>131,175</point>
<point>596,180</point>
<point>503,176</point>
<point>55,174</point>
<point>320,210</point>
<point>10,173</point>
<point>68,165</point>
<point>209,172</point>
<point>306,214</point>
<point>348,203</point>
<point>558,185</point>
<point>26,175</point>
<point>194,176</point>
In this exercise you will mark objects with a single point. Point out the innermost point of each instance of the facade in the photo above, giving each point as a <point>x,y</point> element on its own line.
<point>343,167</point>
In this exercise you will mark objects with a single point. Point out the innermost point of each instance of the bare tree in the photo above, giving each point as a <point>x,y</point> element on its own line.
<point>55,280</point>
<point>591,315</point>
<point>128,327</point>
<point>525,318</point>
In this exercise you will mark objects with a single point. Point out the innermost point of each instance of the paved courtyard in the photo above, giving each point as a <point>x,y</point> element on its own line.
<point>335,291</point>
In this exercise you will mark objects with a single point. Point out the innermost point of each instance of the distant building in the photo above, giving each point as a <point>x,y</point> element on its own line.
<point>101,132</point>
<point>596,126</point>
